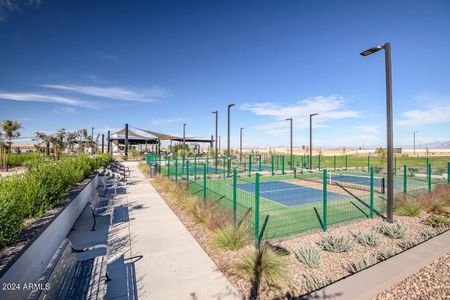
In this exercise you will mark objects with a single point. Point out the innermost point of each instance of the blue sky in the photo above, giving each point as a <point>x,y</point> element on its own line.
<point>159,64</point>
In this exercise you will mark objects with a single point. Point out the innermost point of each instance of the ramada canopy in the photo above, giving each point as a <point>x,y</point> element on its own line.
<point>153,137</point>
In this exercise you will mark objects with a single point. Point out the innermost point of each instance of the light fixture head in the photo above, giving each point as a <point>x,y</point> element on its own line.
<point>371,50</point>
<point>312,115</point>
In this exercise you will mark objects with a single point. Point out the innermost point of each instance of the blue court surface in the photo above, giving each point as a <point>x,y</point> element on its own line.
<point>263,167</point>
<point>362,180</point>
<point>287,194</point>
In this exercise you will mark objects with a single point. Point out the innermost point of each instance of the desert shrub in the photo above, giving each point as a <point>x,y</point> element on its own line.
<point>43,186</point>
<point>211,215</point>
<point>368,239</point>
<point>428,233</point>
<point>394,231</point>
<point>271,269</point>
<point>361,264</point>
<point>310,256</point>
<point>439,221</point>
<point>231,237</point>
<point>438,200</point>
<point>336,243</point>
<point>408,206</point>
<point>386,254</point>
<point>313,283</point>
<point>16,160</point>
<point>406,244</point>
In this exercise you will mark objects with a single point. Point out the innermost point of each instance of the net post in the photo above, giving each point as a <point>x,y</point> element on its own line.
<point>224,168</point>
<point>368,163</point>
<point>395,166</point>
<point>250,165</point>
<point>324,221</point>
<point>346,163</point>
<point>334,163</point>
<point>303,161</point>
<point>234,195</point>
<point>448,172</point>
<point>259,161</point>
<point>371,192</point>
<point>319,162</point>
<point>404,179</point>
<point>176,169</point>
<point>293,162</point>
<point>273,171</point>
<point>256,208</point>
<point>183,164</point>
<point>282,164</point>
<point>195,168</point>
<point>187,171</point>
<point>204,181</point>
<point>168,166</point>
<point>429,177</point>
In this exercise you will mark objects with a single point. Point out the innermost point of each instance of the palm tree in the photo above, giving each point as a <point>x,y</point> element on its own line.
<point>10,129</point>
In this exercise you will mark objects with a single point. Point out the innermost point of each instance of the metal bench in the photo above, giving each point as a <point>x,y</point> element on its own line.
<point>100,204</point>
<point>70,276</point>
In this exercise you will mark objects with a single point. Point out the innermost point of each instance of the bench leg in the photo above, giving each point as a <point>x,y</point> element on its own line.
<point>95,222</point>
<point>107,277</point>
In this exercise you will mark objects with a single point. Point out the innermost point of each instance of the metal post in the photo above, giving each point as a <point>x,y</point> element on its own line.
<point>184,137</point>
<point>273,171</point>
<point>371,192</point>
<point>345,162</point>
<point>168,166</point>
<point>250,163</point>
<point>324,221</point>
<point>204,181</point>
<point>404,179</point>
<point>429,177</point>
<point>310,140</point>
<point>103,143</point>
<point>240,146</point>
<point>195,167</point>
<point>256,207</point>
<point>234,195</point>
<point>216,141</point>
<point>126,139</point>
<point>229,141</point>
<point>282,165</point>
<point>448,172</point>
<point>187,171</point>
<point>109,143</point>
<point>291,144</point>
<point>368,163</point>
<point>390,134</point>
<point>176,169</point>
<point>395,166</point>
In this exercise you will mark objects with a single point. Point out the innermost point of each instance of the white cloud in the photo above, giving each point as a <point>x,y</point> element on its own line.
<point>430,115</point>
<point>36,97</point>
<point>329,108</point>
<point>104,55</point>
<point>65,110</point>
<point>114,92</point>
<point>11,5</point>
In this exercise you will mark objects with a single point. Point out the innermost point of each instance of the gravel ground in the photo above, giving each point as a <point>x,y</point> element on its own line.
<point>431,282</point>
<point>334,266</point>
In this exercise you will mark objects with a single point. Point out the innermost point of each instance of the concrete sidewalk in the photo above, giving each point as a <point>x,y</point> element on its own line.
<point>374,280</point>
<point>162,260</point>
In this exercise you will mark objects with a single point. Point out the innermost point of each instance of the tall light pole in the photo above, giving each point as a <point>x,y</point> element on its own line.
<point>184,136</point>
<point>310,139</point>
<point>240,145</point>
<point>92,135</point>
<point>390,131</point>
<point>215,149</point>
<point>415,141</point>
<point>228,141</point>
<point>291,145</point>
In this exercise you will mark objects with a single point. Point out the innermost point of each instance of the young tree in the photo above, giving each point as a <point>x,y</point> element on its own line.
<point>10,130</point>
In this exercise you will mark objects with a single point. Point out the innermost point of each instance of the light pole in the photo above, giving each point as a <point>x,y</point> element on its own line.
<point>291,146</point>
<point>240,145</point>
<point>228,141</point>
<point>415,141</point>
<point>184,136</point>
<point>92,135</point>
<point>215,150</point>
<point>390,131</point>
<point>310,139</point>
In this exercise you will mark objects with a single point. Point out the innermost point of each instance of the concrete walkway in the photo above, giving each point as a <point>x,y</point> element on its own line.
<point>374,280</point>
<point>157,256</point>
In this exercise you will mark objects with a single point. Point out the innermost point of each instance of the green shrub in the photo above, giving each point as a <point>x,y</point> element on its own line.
<point>438,201</point>
<point>336,243</point>
<point>308,255</point>
<point>386,254</point>
<point>43,186</point>
<point>271,270</point>
<point>231,237</point>
<point>313,283</point>
<point>361,264</point>
<point>16,160</point>
<point>407,206</point>
<point>439,221</point>
<point>368,239</point>
<point>394,231</point>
